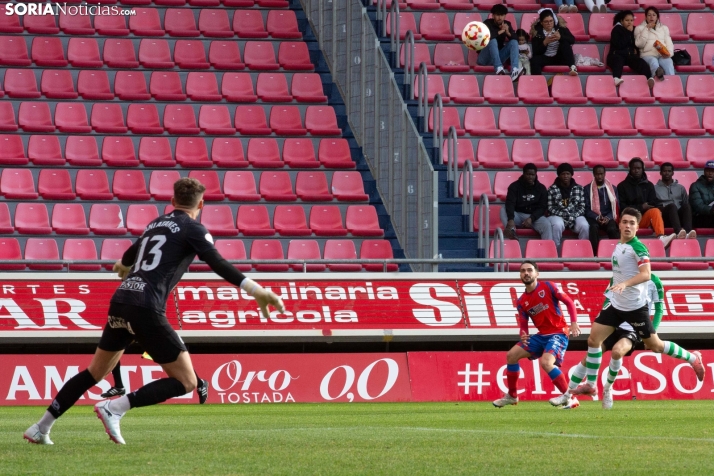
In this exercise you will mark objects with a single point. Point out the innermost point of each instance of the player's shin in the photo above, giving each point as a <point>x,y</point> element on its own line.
<point>592,363</point>
<point>558,379</point>
<point>153,393</point>
<point>66,397</point>
<point>613,370</point>
<point>674,350</point>
<point>513,373</point>
<point>578,376</point>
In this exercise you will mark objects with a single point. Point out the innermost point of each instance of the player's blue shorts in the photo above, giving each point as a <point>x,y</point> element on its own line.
<point>555,344</point>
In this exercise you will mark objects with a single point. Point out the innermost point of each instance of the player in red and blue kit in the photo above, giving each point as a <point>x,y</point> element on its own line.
<point>540,303</point>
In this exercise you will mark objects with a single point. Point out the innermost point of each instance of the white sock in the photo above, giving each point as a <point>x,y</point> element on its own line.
<point>120,406</point>
<point>577,377</point>
<point>46,422</point>
<point>613,370</point>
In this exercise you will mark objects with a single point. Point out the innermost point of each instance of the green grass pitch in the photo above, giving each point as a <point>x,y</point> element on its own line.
<point>636,437</point>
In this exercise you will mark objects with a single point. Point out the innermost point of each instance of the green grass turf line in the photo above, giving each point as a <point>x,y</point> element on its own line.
<point>669,437</point>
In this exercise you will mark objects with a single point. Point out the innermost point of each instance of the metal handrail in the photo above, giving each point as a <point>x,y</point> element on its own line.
<point>438,130</point>
<point>423,100</point>
<point>408,62</point>
<point>382,16</point>
<point>484,234</point>
<point>395,25</point>
<point>499,249</point>
<point>467,199</point>
<point>452,161</point>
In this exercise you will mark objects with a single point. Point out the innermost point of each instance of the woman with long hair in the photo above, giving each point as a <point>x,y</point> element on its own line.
<point>655,44</point>
<point>623,50</point>
<point>552,44</point>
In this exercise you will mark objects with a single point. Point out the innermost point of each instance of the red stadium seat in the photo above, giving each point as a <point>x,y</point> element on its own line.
<point>233,250</point>
<point>549,121</point>
<point>120,54</point>
<point>238,87</point>
<point>478,121</point>
<point>80,249</point>
<point>635,90</point>
<point>598,152</point>
<point>494,218</point>
<point>12,151</point>
<point>69,219</point>
<point>675,26</point>
<point>686,249</point>
<point>502,181</point>
<point>240,186</point>
<point>10,24</point>
<point>10,250</point>
<point>119,152</point>
<point>156,152</point>
<point>228,153</point>
<point>515,121</point>
<point>129,185</point>
<point>180,22</point>
<point>321,120</point>
<point>435,85</point>
<point>214,23</point>
<point>260,55</point>
<point>326,220</point>
<point>71,117</point>
<point>600,26</point>
<point>251,120</point>
<point>35,117</point>
<point>155,54</point>
<point>55,184</point>
<point>601,90</point>
<point>94,85</point>
<point>13,51</point>
<point>307,250</point>
<point>289,220</point>
<point>286,120</point>
<point>106,219</point>
<point>180,120</point>
<point>166,86</point>
<point>583,121</point>
<point>254,220</point>
<point>699,152</point>
<point>46,51</point>
<point>668,150</point>
<point>283,24</point>
<point>82,151</point>
<point>377,249</point>
<point>464,152</point>
<point>528,151</point>
<point>689,4</point>
<point>21,83</point>
<point>294,56</point>
<point>75,24</point>
<point>463,89</point>
<point>708,119</point>
<point>17,184</point>
<point>424,4</point>
<point>591,51</point>
<point>348,186</point>
<point>107,117</point>
<point>629,148</point>
<point>449,58</point>
<point>138,216</point>
<point>421,55</point>
<point>708,250</point>
<point>190,54</point>
<point>218,220</point>
<point>700,26</point>
<point>567,90</point>
<point>616,121</point>
<point>5,221</point>
<point>55,84</point>
<point>92,185</point>
<point>249,24</point>
<point>113,249</point>
<point>511,250</point>
<point>564,151</point>
<point>362,220</point>
<point>7,117</point>
<point>42,249</point>
<point>407,22</point>
<point>264,153</point>
<point>493,154</point>
<point>649,121</point>
<point>436,27</point>
<point>532,89</point>
<point>202,87</point>
<point>161,184</point>
<point>312,187</point>
<point>268,250</point>
<point>143,119</point>
<point>450,118</point>
<point>277,186</point>
<point>543,249</point>
<point>307,87</point>
<point>146,22</point>
<point>40,24</point>
<point>335,154</point>
<point>32,219</point>
<point>669,90</point>
<point>700,87</point>
<point>225,55</point>
<point>696,65</point>
<point>130,86</point>
<point>499,89</point>
<point>579,249</point>
<point>111,25</point>
<point>463,19</point>
<point>684,121</point>
<point>215,120</point>
<point>44,150</point>
<point>84,53</point>
<point>299,153</point>
<point>192,152</point>
<point>707,55</point>
<point>686,179</point>
<point>338,250</point>
<point>605,249</point>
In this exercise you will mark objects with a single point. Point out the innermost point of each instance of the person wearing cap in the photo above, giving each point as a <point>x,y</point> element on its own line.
<point>526,204</point>
<point>601,207</point>
<point>674,201</point>
<point>701,198</point>
<point>639,193</point>
<point>566,205</point>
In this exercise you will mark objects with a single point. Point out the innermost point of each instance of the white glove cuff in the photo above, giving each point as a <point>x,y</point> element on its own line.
<point>249,286</point>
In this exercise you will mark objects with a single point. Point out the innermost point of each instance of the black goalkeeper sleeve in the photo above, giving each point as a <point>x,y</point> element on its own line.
<point>130,254</point>
<point>222,267</point>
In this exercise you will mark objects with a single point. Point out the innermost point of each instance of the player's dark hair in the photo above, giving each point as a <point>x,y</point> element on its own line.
<point>188,192</point>
<point>598,167</point>
<point>532,263</point>
<point>633,212</point>
<point>634,160</point>
<point>499,9</point>
<point>621,16</point>
<point>521,33</point>
<point>667,164</point>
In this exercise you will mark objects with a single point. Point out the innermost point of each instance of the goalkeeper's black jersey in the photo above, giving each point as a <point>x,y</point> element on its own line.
<point>161,256</point>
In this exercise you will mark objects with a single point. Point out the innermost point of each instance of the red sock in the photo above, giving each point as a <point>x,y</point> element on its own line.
<point>513,382</point>
<point>561,383</point>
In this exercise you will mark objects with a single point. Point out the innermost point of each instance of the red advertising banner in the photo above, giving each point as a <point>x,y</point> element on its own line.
<point>35,379</point>
<point>212,307</point>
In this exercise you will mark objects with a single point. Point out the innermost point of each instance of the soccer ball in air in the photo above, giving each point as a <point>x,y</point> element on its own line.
<point>475,36</point>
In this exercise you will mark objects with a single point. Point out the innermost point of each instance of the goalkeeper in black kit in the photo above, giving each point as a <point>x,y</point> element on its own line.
<point>149,270</point>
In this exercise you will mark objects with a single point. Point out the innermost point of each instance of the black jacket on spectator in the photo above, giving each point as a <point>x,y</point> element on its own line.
<point>622,42</point>
<point>524,198</point>
<point>539,48</point>
<point>494,29</point>
<point>701,194</point>
<point>634,193</point>
<point>605,205</point>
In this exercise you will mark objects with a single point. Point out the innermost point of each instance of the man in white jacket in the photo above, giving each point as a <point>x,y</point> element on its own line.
<point>647,36</point>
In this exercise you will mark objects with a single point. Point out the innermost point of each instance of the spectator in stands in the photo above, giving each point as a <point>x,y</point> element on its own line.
<point>623,50</point>
<point>568,7</point>
<point>655,44</point>
<point>639,193</point>
<point>596,6</point>
<point>674,201</point>
<point>552,44</point>
<point>566,205</point>
<point>505,47</point>
<point>526,204</point>
<point>701,195</point>
<point>524,50</point>
<point>601,207</point>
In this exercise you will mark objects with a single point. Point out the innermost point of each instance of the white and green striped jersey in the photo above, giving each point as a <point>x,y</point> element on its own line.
<point>626,261</point>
